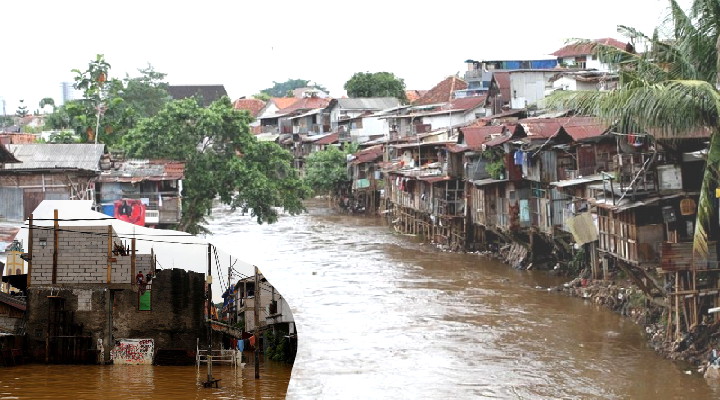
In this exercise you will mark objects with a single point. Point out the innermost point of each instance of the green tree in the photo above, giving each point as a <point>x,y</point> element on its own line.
<point>22,110</point>
<point>123,103</point>
<point>375,84</point>
<point>261,96</point>
<point>47,101</point>
<point>62,137</point>
<point>223,160</point>
<point>671,89</point>
<point>284,89</point>
<point>326,171</point>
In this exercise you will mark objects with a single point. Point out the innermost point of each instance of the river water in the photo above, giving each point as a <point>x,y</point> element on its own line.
<point>384,316</point>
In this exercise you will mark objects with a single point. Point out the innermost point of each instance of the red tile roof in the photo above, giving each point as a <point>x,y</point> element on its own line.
<point>252,105</point>
<point>443,91</point>
<point>414,95</point>
<point>583,49</point>
<point>307,103</point>
<point>283,102</point>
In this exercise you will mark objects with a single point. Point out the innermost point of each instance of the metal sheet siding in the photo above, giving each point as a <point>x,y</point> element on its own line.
<point>11,204</point>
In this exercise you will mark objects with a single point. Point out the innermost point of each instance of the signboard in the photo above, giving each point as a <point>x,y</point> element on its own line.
<point>130,210</point>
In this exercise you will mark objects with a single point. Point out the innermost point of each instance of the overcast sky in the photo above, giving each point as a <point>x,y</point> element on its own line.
<point>246,45</point>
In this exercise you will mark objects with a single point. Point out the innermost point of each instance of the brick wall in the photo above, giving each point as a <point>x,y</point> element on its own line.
<point>175,321</point>
<point>82,257</point>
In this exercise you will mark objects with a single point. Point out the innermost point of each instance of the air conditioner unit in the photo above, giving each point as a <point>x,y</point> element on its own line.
<point>152,217</point>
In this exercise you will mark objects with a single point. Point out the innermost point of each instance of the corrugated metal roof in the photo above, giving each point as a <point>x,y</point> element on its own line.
<point>328,139</point>
<point>51,156</point>
<point>144,170</point>
<point>368,103</point>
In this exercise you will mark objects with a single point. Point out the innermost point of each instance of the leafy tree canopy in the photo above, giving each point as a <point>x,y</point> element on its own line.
<point>375,84</point>
<point>223,160</point>
<point>284,89</point>
<point>121,103</point>
<point>326,171</point>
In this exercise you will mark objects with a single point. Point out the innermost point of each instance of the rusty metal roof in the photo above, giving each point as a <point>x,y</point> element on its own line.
<point>144,170</point>
<point>56,156</point>
<point>328,139</point>
<point>475,136</point>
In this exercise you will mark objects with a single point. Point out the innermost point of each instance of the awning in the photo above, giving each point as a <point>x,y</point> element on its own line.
<point>577,181</point>
<point>432,179</point>
<point>483,182</point>
<point>309,113</point>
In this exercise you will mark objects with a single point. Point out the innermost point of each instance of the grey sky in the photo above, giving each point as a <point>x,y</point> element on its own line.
<point>248,45</point>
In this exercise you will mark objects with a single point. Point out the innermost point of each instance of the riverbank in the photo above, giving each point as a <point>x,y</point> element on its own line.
<point>623,297</point>
<point>626,299</point>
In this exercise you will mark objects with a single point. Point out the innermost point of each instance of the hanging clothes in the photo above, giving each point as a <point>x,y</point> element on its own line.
<point>241,345</point>
<point>252,340</point>
<point>518,158</point>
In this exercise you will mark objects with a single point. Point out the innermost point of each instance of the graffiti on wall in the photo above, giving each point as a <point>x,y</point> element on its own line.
<point>133,351</point>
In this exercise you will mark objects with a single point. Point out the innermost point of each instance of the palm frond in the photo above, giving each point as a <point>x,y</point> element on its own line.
<point>706,208</point>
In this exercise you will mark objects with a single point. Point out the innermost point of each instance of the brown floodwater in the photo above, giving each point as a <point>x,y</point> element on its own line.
<point>384,316</point>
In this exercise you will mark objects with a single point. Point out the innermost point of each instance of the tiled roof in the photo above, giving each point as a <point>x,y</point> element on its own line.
<point>208,93</point>
<point>51,156</point>
<point>252,105</point>
<point>443,91</point>
<point>584,49</point>
<point>413,95</point>
<point>283,102</point>
<point>307,103</point>
<point>144,170</point>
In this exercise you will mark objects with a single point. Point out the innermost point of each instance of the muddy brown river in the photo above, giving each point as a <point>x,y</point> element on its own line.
<point>384,316</point>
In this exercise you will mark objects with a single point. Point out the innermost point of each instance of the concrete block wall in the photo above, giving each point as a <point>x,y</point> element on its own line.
<point>82,257</point>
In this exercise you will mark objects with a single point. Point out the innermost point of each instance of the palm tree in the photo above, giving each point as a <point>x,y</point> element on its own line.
<point>671,89</point>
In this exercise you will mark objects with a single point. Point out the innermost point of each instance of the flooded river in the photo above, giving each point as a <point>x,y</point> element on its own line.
<point>383,316</point>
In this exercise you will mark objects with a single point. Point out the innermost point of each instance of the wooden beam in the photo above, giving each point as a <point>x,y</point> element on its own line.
<point>109,255</point>
<point>55,247</point>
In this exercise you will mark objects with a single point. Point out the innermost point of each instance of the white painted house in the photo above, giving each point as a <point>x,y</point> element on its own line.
<point>581,55</point>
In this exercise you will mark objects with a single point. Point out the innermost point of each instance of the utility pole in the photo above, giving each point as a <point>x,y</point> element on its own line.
<point>209,318</point>
<point>257,324</point>
<point>230,285</point>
